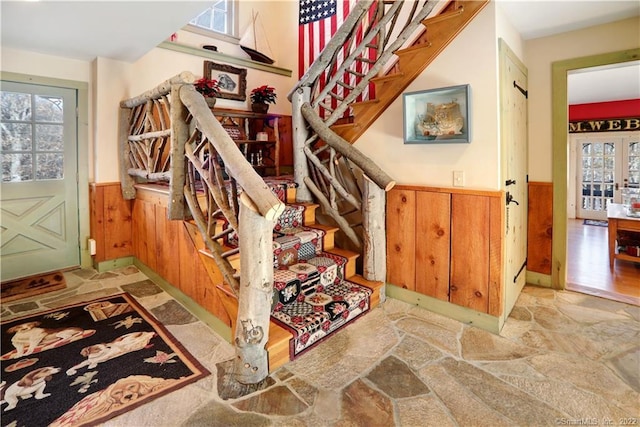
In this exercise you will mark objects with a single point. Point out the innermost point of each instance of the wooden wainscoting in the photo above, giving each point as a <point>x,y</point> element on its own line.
<point>446,243</point>
<point>111,222</point>
<point>140,228</point>
<point>167,247</point>
<point>540,227</point>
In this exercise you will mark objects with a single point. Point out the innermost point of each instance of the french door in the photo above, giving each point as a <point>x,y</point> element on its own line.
<point>39,199</point>
<point>606,164</point>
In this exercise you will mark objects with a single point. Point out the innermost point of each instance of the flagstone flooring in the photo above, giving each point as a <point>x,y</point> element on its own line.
<point>562,359</point>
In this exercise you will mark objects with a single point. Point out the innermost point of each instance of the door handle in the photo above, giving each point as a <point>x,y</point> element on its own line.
<point>510,199</point>
<point>617,186</point>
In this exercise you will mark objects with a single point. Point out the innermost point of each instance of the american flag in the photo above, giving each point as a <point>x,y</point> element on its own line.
<point>318,22</point>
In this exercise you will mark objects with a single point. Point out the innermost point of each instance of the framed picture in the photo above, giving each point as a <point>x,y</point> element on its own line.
<point>232,80</point>
<point>437,115</point>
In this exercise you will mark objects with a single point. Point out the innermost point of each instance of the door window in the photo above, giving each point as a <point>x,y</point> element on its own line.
<point>606,164</point>
<point>32,137</point>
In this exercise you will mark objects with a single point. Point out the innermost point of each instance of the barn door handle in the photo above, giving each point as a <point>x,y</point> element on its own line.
<point>521,89</point>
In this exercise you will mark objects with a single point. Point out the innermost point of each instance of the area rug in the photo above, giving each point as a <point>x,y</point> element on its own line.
<point>88,362</point>
<point>600,223</point>
<point>33,285</point>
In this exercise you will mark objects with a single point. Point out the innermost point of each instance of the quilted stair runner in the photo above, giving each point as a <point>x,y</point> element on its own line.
<point>312,297</point>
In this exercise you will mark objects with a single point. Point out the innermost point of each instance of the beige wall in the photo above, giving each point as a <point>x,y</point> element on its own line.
<point>161,64</point>
<point>506,31</point>
<point>540,54</point>
<point>111,81</point>
<point>279,19</point>
<point>19,61</point>
<point>472,58</point>
<point>111,86</point>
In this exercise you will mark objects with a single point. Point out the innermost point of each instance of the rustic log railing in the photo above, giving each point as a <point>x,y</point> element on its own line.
<point>362,48</point>
<point>170,134</point>
<point>350,187</point>
<point>170,127</point>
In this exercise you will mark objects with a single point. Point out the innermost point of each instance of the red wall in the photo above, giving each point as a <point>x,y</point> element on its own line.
<point>605,110</point>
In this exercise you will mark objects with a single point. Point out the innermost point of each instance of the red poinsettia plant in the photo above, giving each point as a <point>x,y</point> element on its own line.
<point>209,88</point>
<point>263,95</point>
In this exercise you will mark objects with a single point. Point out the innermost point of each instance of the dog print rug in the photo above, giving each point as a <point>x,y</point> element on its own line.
<point>86,363</point>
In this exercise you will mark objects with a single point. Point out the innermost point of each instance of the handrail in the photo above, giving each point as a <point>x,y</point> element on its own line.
<point>347,184</point>
<point>371,169</point>
<point>235,163</point>
<point>162,89</point>
<point>215,157</point>
<point>171,126</point>
<point>144,129</point>
<point>336,42</point>
<point>172,122</point>
<point>376,37</point>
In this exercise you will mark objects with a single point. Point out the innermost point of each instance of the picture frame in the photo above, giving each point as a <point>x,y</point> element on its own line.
<point>436,116</point>
<point>232,81</point>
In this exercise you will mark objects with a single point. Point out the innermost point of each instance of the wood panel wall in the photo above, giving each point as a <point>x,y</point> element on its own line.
<point>140,228</point>
<point>447,243</point>
<point>285,130</point>
<point>470,225</point>
<point>433,252</point>
<point>401,242</point>
<point>168,248</point>
<point>110,222</point>
<point>540,227</point>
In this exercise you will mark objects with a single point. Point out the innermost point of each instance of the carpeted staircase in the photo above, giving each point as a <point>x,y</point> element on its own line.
<point>316,290</point>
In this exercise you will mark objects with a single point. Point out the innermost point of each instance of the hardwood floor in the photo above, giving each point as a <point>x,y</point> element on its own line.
<point>588,266</point>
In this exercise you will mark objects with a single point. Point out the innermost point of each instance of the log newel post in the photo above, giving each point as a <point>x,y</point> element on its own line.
<point>126,181</point>
<point>373,215</point>
<point>256,293</point>
<point>179,136</point>
<point>300,135</point>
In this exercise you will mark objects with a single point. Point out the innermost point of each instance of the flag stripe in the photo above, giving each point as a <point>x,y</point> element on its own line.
<point>319,20</point>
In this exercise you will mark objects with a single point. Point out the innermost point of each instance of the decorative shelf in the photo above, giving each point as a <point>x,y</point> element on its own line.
<point>209,54</point>
<point>243,126</point>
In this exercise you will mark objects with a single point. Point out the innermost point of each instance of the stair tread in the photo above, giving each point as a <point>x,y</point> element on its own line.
<point>362,281</point>
<point>276,332</point>
<point>344,126</point>
<point>324,227</point>
<point>344,252</point>
<point>393,76</point>
<point>321,309</point>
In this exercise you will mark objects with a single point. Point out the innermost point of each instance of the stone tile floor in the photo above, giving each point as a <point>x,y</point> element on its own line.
<point>562,359</point>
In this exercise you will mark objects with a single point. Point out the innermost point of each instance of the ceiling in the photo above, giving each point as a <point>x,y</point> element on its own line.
<point>126,30</point>
<point>122,30</point>
<point>535,19</point>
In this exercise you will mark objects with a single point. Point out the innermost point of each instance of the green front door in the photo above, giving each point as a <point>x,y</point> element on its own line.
<point>39,191</point>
